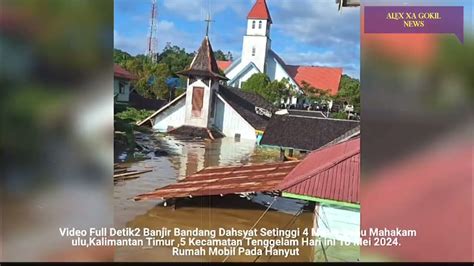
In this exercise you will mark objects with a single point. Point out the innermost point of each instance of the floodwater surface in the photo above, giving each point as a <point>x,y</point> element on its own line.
<point>172,159</point>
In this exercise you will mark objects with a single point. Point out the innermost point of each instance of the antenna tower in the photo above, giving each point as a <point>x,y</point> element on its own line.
<point>152,37</point>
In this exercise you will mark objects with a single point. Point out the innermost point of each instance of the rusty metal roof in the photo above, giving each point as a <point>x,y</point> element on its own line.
<point>225,180</point>
<point>331,173</point>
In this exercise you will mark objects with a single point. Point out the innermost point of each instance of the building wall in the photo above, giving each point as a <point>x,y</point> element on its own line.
<point>263,31</point>
<point>229,122</point>
<point>203,119</point>
<point>125,96</point>
<point>244,77</point>
<point>172,117</point>
<point>259,43</point>
<point>338,223</point>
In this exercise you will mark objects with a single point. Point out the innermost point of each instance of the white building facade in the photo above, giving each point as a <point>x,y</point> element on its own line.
<point>258,57</point>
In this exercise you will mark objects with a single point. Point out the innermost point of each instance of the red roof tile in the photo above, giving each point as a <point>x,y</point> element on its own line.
<point>120,72</point>
<point>260,11</point>
<point>324,78</point>
<point>331,173</point>
<point>225,180</point>
<point>223,65</point>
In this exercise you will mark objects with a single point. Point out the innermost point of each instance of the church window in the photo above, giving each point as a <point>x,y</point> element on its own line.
<point>253,24</point>
<point>253,51</point>
<point>259,24</point>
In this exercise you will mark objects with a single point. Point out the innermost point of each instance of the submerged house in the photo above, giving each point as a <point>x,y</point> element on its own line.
<point>122,84</point>
<point>330,177</point>
<point>306,130</point>
<point>209,108</point>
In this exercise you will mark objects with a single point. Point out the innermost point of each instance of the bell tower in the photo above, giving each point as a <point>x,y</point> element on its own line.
<point>257,42</point>
<point>202,83</point>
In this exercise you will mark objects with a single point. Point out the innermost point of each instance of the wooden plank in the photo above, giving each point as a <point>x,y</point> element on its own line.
<point>132,173</point>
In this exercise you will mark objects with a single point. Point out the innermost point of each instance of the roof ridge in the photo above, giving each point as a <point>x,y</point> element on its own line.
<point>292,65</point>
<point>321,118</point>
<point>321,169</point>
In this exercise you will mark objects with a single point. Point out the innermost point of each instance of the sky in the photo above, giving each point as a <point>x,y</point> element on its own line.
<point>304,32</point>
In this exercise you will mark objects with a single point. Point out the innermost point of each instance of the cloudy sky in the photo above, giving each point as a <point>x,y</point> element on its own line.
<point>304,32</point>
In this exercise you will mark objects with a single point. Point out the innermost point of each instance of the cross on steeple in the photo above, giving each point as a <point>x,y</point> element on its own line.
<point>208,22</point>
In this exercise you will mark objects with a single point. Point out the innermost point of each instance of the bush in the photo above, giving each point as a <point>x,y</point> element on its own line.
<point>133,115</point>
<point>338,115</point>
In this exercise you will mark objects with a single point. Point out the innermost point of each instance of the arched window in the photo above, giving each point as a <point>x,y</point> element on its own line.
<point>253,51</point>
<point>253,24</point>
<point>259,24</point>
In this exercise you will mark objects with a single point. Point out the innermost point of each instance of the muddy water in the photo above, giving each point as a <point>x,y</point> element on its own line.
<point>172,159</point>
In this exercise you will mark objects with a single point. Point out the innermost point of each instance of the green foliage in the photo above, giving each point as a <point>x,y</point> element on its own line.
<point>349,91</point>
<point>220,55</point>
<point>279,90</point>
<point>133,115</point>
<point>120,57</point>
<point>338,115</point>
<point>273,91</point>
<point>316,94</point>
<point>176,58</point>
<point>256,83</point>
<point>151,77</point>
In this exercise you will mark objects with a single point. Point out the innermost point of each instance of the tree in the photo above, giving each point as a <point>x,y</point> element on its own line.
<point>176,58</point>
<point>219,55</point>
<point>158,74</point>
<point>349,91</point>
<point>316,94</point>
<point>256,83</point>
<point>120,57</point>
<point>279,90</point>
<point>272,91</point>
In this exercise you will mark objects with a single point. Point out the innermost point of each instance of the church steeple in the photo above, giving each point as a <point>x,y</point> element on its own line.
<point>257,41</point>
<point>204,63</point>
<point>260,11</point>
<point>203,81</point>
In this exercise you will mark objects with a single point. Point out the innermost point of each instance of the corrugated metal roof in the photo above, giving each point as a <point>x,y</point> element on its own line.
<point>120,72</point>
<point>226,180</point>
<point>331,173</point>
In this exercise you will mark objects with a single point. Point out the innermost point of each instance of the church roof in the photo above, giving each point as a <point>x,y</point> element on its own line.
<point>324,78</point>
<point>223,65</point>
<point>260,11</point>
<point>204,63</point>
<point>248,104</point>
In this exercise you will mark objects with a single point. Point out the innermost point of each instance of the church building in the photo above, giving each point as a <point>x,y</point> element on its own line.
<point>209,108</point>
<point>258,57</point>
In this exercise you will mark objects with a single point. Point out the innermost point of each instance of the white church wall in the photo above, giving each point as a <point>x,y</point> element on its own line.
<point>230,123</point>
<point>172,117</point>
<point>243,78</point>
<point>255,50</point>
<point>259,29</point>
<point>203,119</point>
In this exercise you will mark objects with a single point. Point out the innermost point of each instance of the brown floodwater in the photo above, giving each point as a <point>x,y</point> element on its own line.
<point>170,160</point>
